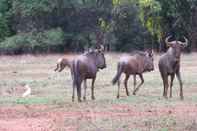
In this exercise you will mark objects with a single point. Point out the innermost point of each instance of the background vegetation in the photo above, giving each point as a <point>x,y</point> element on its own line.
<point>43,26</point>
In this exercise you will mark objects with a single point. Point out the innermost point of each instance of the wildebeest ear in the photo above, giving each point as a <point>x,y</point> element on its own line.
<point>171,44</point>
<point>97,50</point>
<point>101,49</point>
<point>184,44</point>
<point>149,52</point>
<point>168,45</point>
<point>90,50</point>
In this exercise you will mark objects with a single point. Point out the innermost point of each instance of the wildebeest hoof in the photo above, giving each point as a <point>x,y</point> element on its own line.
<point>84,98</point>
<point>118,97</point>
<point>93,98</point>
<point>182,98</point>
<point>165,97</point>
<point>134,93</point>
<point>73,99</point>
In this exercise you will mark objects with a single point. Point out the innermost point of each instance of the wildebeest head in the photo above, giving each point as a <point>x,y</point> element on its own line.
<point>176,47</point>
<point>148,61</point>
<point>98,56</point>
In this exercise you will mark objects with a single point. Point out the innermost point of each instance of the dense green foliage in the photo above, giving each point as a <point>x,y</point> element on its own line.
<point>34,42</point>
<point>128,29</point>
<point>34,26</point>
<point>5,29</point>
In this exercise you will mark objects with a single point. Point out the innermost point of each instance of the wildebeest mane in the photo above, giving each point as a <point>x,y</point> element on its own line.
<point>89,51</point>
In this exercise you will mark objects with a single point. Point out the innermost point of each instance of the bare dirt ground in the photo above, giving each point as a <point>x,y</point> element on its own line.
<point>49,107</point>
<point>48,118</point>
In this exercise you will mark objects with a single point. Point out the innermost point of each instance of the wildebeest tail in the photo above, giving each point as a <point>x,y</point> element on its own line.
<point>118,74</point>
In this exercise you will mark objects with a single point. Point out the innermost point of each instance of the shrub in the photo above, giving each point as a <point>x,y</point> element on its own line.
<point>34,42</point>
<point>5,14</point>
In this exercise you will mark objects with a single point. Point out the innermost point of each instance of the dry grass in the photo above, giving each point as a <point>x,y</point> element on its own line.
<point>146,111</point>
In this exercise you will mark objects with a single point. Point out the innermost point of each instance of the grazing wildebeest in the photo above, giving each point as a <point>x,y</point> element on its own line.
<point>63,62</point>
<point>66,61</point>
<point>169,64</point>
<point>134,64</point>
<point>86,67</point>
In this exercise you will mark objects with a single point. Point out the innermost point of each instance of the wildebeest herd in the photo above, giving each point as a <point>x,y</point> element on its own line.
<point>86,66</point>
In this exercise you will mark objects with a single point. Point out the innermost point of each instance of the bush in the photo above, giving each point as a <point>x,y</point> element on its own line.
<point>4,29</point>
<point>34,42</point>
<point>5,14</point>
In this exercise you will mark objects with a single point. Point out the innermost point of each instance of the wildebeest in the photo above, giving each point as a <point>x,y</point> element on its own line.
<point>169,64</point>
<point>86,67</point>
<point>63,62</point>
<point>66,61</point>
<point>134,64</point>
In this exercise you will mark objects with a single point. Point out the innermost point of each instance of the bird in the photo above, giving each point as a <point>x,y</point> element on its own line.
<point>27,92</point>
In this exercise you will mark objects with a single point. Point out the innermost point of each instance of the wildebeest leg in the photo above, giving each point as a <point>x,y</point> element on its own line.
<point>79,94</point>
<point>142,81</point>
<point>79,90</point>
<point>118,95</point>
<point>181,84</point>
<point>85,87</point>
<point>73,95</point>
<point>164,77</point>
<point>125,84</point>
<point>166,85</point>
<point>93,80</point>
<point>61,68</point>
<point>57,67</point>
<point>134,82</point>
<point>171,84</point>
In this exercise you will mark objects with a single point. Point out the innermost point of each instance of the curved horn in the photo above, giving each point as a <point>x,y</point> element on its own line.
<point>185,43</point>
<point>167,41</point>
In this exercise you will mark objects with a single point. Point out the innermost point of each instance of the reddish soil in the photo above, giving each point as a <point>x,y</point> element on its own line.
<point>50,118</point>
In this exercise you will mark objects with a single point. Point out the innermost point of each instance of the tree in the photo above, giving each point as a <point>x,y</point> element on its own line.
<point>128,29</point>
<point>5,29</point>
<point>177,19</point>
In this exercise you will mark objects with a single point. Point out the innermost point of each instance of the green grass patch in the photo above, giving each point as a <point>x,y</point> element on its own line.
<point>31,100</point>
<point>27,101</point>
<point>164,129</point>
